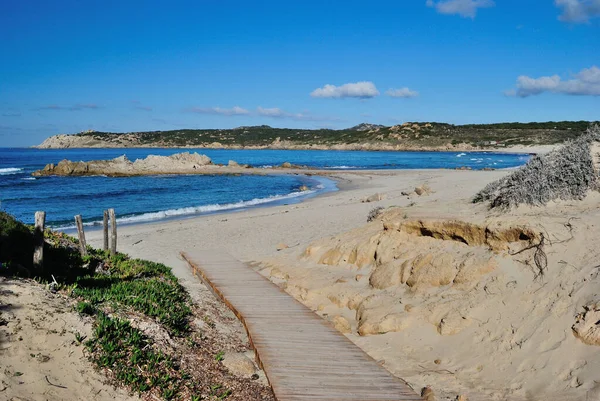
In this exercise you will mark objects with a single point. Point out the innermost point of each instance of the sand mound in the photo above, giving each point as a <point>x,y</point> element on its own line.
<point>565,173</point>
<point>414,256</point>
<point>422,253</point>
<point>41,358</point>
<point>467,294</point>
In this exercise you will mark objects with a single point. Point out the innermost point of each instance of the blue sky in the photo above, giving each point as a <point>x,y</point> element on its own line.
<point>68,66</point>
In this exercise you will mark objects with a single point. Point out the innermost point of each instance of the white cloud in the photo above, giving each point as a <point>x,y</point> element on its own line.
<point>77,107</point>
<point>402,92</point>
<point>584,83</point>
<point>363,90</point>
<point>464,8</point>
<point>272,112</point>
<point>234,111</point>
<point>276,112</point>
<point>578,11</point>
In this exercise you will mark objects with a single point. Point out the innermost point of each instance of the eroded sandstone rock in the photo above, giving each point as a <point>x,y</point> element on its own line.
<point>374,198</point>
<point>423,190</point>
<point>341,324</point>
<point>587,325</point>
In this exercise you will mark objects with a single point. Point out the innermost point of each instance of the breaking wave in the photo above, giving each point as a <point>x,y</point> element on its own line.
<point>198,210</point>
<point>10,170</point>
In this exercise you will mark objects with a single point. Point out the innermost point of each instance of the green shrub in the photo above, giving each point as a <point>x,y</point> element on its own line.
<point>16,242</point>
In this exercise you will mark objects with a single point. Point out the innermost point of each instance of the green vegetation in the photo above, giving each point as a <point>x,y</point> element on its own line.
<point>129,354</point>
<point>409,135</point>
<point>16,247</point>
<point>147,287</point>
<point>114,292</point>
<point>220,356</point>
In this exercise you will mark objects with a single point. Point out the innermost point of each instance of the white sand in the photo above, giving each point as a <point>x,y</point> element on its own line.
<point>39,355</point>
<point>513,338</point>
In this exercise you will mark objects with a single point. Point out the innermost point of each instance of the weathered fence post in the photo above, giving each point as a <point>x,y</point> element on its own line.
<point>113,231</point>
<point>81,235</point>
<point>38,240</point>
<point>105,229</point>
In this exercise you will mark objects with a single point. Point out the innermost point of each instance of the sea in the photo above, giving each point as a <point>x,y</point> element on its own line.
<point>152,198</point>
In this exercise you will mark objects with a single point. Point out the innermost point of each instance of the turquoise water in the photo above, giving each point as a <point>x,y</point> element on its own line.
<point>143,199</point>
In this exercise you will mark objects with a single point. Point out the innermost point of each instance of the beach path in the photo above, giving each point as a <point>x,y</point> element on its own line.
<point>303,356</point>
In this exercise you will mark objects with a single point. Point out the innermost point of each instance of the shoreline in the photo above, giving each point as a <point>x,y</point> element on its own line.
<point>341,179</point>
<point>531,150</point>
<point>326,188</point>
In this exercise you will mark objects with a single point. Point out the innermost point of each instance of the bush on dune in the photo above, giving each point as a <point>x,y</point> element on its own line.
<point>61,253</point>
<point>567,173</point>
<point>16,242</point>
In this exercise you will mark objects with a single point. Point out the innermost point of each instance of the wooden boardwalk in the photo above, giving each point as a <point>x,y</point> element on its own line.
<point>303,356</point>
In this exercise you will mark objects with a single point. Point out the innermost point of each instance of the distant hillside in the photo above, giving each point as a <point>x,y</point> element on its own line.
<point>408,136</point>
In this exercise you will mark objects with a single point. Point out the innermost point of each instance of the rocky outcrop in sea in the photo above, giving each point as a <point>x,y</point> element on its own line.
<point>180,163</point>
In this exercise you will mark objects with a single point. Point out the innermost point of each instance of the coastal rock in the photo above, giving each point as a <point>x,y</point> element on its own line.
<point>495,236</point>
<point>374,198</point>
<point>239,364</point>
<point>587,325</point>
<point>286,165</point>
<point>423,190</point>
<point>422,254</point>
<point>278,274</point>
<point>180,163</point>
<point>233,163</point>
<point>341,324</point>
<point>372,322</point>
<point>427,394</point>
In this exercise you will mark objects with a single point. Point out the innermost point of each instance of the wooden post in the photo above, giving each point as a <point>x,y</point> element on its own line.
<point>105,229</point>
<point>113,231</point>
<point>81,235</point>
<point>38,240</point>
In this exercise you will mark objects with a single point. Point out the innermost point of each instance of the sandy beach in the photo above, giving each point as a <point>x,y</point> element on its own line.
<point>254,235</point>
<point>502,332</point>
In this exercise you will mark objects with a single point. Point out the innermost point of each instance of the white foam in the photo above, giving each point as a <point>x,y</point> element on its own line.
<point>342,167</point>
<point>10,170</point>
<point>461,154</point>
<point>28,178</point>
<point>195,210</point>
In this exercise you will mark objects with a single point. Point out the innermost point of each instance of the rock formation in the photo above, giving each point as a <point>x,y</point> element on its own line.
<point>415,256</point>
<point>180,163</point>
<point>239,364</point>
<point>587,325</point>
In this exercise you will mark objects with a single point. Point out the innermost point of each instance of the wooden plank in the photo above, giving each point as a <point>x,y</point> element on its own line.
<point>38,240</point>
<point>113,231</point>
<point>105,230</point>
<point>303,356</point>
<point>81,235</point>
